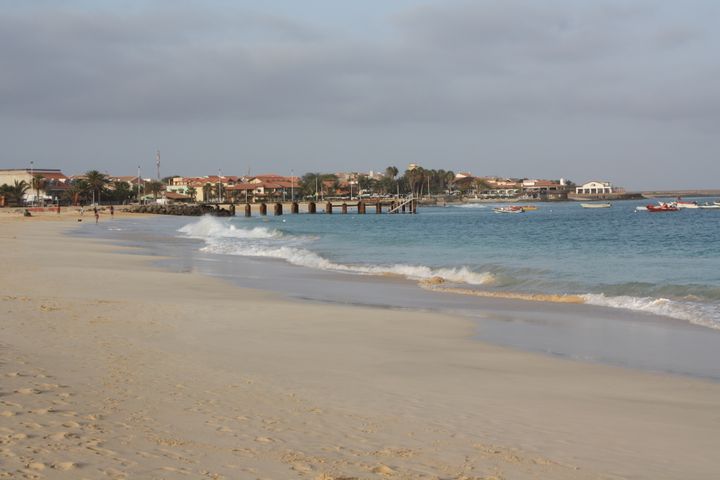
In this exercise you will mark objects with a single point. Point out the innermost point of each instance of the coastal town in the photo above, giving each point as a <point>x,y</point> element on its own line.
<point>46,187</point>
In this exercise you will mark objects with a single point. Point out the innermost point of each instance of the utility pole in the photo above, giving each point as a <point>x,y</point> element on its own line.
<point>32,167</point>
<point>157,162</point>
<point>292,185</point>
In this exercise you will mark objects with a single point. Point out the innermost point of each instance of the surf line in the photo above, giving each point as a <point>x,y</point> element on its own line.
<point>434,283</point>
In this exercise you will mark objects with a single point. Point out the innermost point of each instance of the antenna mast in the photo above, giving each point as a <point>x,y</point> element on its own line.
<point>157,162</point>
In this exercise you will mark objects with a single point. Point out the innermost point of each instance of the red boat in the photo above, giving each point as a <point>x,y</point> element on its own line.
<point>664,207</point>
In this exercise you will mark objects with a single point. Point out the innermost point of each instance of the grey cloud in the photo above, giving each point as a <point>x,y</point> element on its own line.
<point>453,62</point>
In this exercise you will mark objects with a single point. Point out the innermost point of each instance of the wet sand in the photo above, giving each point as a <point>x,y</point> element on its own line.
<point>111,368</point>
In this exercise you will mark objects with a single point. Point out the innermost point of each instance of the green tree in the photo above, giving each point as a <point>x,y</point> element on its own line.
<point>391,172</point>
<point>96,182</point>
<point>155,187</point>
<point>312,184</point>
<point>121,191</point>
<point>38,183</point>
<point>15,193</point>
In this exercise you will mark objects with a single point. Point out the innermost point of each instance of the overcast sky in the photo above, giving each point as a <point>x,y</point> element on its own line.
<point>619,90</point>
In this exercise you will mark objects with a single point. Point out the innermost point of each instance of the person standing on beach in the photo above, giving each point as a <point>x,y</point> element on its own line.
<point>97,214</point>
<point>112,211</point>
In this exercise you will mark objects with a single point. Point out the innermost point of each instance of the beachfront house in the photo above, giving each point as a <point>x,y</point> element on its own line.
<point>46,184</point>
<point>266,188</point>
<point>595,188</point>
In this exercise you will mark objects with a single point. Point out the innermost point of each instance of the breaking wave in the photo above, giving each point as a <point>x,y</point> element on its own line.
<point>703,314</point>
<point>222,237</point>
<point>225,238</point>
<point>209,228</point>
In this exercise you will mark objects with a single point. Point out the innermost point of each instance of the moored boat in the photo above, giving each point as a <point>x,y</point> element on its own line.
<point>683,204</point>
<point>511,209</point>
<point>596,205</point>
<point>663,207</point>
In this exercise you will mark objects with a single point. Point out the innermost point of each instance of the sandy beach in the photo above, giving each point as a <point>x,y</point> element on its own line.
<point>113,368</point>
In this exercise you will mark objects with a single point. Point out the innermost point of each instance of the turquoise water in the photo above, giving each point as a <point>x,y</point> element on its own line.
<point>660,263</point>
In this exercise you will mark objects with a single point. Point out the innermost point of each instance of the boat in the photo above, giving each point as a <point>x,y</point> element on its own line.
<point>663,207</point>
<point>511,209</point>
<point>641,209</point>
<point>529,208</point>
<point>682,204</point>
<point>596,205</point>
<point>710,206</point>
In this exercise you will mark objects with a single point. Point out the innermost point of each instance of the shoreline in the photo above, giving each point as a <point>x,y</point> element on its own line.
<point>547,324</point>
<point>172,374</point>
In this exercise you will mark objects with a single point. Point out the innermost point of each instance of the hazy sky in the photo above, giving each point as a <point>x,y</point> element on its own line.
<point>627,91</point>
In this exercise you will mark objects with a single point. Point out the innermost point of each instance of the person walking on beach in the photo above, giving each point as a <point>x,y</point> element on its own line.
<point>112,211</point>
<point>97,214</point>
<point>82,210</point>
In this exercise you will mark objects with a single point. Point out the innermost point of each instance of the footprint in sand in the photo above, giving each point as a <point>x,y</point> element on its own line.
<point>264,440</point>
<point>65,466</point>
<point>27,391</point>
<point>383,470</point>
<point>37,466</point>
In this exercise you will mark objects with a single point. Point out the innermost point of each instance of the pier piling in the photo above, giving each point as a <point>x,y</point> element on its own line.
<point>278,209</point>
<point>361,207</point>
<point>344,208</point>
<point>248,210</point>
<point>263,208</point>
<point>378,208</point>
<point>311,207</point>
<point>328,207</point>
<point>294,208</point>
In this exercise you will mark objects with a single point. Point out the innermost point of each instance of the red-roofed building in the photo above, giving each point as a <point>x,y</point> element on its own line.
<point>54,182</point>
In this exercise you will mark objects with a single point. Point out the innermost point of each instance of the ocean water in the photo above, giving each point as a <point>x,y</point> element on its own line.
<point>613,285</point>
<point>662,263</point>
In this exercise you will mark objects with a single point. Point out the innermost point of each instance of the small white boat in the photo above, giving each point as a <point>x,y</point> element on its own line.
<point>683,204</point>
<point>596,205</point>
<point>641,209</point>
<point>512,209</point>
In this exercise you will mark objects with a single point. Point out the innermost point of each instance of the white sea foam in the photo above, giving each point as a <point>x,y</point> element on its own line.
<point>471,205</point>
<point>224,238</point>
<point>305,258</point>
<point>705,315</point>
<point>209,228</point>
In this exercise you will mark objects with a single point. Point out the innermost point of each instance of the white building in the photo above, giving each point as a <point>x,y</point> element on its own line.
<point>594,188</point>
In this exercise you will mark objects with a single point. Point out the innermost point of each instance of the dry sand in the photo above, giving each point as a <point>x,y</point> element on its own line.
<point>111,368</point>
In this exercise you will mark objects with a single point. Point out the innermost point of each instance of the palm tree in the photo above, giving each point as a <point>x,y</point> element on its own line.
<point>207,191</point>
<point>155,187</point>
<point>38,183</point>
<point>192,192</point>
<point>449,179</point>
<point>96,181</point>
<point>77,192</point>
<point>15,192</point>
